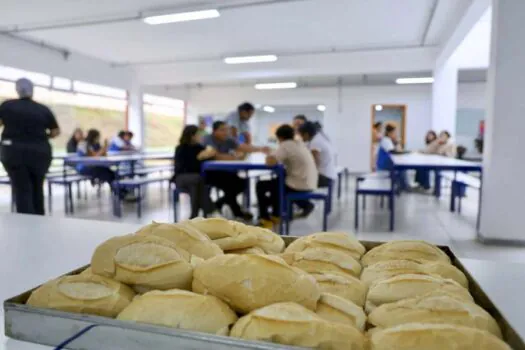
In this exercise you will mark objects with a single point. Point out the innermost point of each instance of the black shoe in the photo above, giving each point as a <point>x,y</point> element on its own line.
<point>245,216</point>
<point>306,212</point>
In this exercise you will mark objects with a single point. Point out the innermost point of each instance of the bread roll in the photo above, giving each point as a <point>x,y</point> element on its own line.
<point>147,261</point>
<point>391,268</point>
<point>404,250</point>
<point>248,282</point>
<point>268,241</point>
<point>185,237</point>
<point>344,286</point>
<point>85,294</point>
<point>228,235</point>
<point>336,309</point>
<point>292,324</point>
<point>437,309</point>
<point>409,286</point>
<point>252,250</point>
<point>181,309</point>
<point>322,260</point>
<point>420,336</point>
<point>339,241</point>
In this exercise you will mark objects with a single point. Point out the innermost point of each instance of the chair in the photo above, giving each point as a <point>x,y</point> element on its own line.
<point>136,184</point>
<point>374,186</point>
<point>315,196</point>
<point>67,182</point>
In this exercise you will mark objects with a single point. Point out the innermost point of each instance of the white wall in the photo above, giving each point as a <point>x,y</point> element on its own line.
<point>347,119</point>
<point>23,55</point>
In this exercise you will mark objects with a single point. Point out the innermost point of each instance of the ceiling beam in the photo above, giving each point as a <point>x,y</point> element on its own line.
<point>430,19</point>
<point>112,19</point>
<point>325,64</point>
<point>475,11</point>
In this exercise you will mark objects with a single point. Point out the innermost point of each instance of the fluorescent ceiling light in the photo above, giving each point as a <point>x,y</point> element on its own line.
<point>321,108</point>
<point>250,59</point>
<point>268,109</point>
<point>271,86</point>
<point>423,80</point>
<point>379,108</point>
<point>182,17</point>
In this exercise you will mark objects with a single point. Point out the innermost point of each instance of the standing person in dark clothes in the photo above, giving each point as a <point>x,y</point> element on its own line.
<point>72,144</point>
<point>229,182</point>
<point>189,155</point>
<point>26,152</point>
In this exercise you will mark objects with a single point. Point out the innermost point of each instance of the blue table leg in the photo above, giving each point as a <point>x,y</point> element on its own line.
<point>437,184</point>
<point>280,176</point>
<point>391,200</point>
<point>453,197</point>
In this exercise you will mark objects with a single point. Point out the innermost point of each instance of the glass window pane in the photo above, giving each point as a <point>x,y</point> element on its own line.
<point>95,89</point>
<point>13,74</point>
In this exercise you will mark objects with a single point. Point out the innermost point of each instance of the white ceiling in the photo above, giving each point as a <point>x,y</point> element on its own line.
<point>305,33</point>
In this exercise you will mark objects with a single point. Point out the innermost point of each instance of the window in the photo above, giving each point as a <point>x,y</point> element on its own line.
<point>13,74</point>
<point>101,90</point>
<point>164,120</point>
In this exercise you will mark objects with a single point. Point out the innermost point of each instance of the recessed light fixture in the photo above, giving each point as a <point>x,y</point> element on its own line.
<point>268,109</point>
<point>379,108</point>
<point>422,80</point>
<point>272,86</point>
<point>181,17</point>
<point>250,59</point>
<point>321,108</point>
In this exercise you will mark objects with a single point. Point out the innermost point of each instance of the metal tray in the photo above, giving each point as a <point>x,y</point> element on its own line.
<point>84,332</point>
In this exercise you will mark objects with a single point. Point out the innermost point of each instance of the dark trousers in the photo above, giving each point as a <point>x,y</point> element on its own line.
<point>268,196</point>
<point>193,184</point>
<point>103,174</point>
<point>324,181</point>
<point>27,166</point>
<point>423,178</point>
<point>231,184</point>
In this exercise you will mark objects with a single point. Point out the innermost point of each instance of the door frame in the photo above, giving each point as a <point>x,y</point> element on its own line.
<point>403,108</point>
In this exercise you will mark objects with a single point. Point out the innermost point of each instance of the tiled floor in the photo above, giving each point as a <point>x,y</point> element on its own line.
<point>418,216</point>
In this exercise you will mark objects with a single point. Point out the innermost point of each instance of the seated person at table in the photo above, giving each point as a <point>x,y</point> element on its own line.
<point>72,144</point>
<point>91,147</point>
<point>323,153</point>
<point>301,176</point>
<point>122,142</point>
<point>389,142</point>
<point>229,182</point>
<point>189,155</point>
<point>422,175</point>
<point>443,146</point>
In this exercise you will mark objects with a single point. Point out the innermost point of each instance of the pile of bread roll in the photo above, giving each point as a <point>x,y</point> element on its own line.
<point>323,291</point>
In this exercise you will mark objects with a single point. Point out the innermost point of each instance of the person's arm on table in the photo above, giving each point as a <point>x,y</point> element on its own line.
<point>247,137</point>
<point>246,148</point>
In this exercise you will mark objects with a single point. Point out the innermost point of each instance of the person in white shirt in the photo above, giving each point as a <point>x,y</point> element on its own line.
<point>323,152</point>
<point>389,142</point>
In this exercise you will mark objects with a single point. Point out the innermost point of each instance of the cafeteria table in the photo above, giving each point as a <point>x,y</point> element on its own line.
<point>254,163</point>
<point>115,160</point>
<point>431,162</point>
<point>35,249</point>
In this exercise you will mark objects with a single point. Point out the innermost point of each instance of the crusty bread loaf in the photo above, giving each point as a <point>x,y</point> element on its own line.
<point>147,261</point>
<point>391,268</point>
<point>268,241</point>
<point>252,250</point>
<point>322,260</point>
<point>344,286</point>
<point>436,309</point>
<point>248,282</point>
<point>292,324</point>
<point>410,286</point>
<point>343,242</point>
<point>185,237</point>
<point>86,294</point>
<point>228,235</point>
<point>420,336</point>
<point>332,308</point>
<point>404,250</point>
<point>181,309</point>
